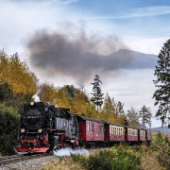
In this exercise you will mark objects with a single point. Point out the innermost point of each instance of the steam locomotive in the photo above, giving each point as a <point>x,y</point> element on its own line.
<point>45,127</point>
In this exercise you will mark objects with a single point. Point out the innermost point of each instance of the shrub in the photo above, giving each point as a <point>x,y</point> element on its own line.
<point>9,124</point>
<point>161,145</point>
<point>137,148</point>
<point>109,160</point>
<point>126,146</point>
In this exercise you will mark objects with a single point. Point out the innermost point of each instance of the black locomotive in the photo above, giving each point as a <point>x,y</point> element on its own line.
<point>44,126</point>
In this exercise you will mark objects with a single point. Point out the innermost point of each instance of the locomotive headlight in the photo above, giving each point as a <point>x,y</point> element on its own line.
<point>22,130</point>
<point>32,103</point>
<point>39,130</point>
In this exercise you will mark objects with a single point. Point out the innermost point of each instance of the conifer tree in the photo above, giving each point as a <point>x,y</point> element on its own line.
<point>162,94</point>
<point>97,98</point>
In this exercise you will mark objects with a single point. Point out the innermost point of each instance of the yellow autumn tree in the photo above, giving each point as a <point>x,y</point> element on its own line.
<point>47,93</point>
<point>50,94</point>
<point>90,111</point>
<point>3,66</point>
<point>108,112</point>
<point>79,104</point>
<point>61,100</point>
<point>17,75</point>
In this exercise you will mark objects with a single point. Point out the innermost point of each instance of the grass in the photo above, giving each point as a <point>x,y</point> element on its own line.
<point>156,156</point>
<point>63,164</point>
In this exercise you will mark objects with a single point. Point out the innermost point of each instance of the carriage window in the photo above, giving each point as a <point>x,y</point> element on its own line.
<point>88,127</point>
<point>99,128</point>
<point>114,130</point>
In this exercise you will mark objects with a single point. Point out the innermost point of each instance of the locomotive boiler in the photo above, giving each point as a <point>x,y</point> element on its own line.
<point>45,127</point>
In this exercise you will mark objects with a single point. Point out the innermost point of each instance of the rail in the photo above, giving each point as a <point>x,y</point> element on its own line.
<point>15,158</point>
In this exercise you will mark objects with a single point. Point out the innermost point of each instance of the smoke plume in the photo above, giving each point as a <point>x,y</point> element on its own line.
<point>77,55</point>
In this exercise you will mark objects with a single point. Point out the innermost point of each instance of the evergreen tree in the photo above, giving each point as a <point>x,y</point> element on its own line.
<point>97,98</point>
<point>146,116</point>
<point>162,94</point>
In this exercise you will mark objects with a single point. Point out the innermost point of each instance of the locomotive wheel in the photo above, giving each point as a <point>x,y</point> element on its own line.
<point>83,144</point>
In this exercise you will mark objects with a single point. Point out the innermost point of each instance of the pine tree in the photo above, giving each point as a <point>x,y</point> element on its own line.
<point>97,98</point>
<point>162,94</point>
<point>146,116</point>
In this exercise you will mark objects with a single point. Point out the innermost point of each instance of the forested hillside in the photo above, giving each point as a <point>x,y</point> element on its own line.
<point>18,85</point>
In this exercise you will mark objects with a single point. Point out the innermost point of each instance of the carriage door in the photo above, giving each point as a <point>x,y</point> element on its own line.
<point>92,129</point>
<point>105,132</point>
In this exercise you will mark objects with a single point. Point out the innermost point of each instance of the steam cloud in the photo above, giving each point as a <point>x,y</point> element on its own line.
<point>77,55</point>
<point>70,151</point>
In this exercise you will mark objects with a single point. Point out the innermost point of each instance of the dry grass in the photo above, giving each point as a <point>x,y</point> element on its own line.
<point>149,161</point>
<point>149,158</point>
<point>64,164</point>
<point>153,134</point>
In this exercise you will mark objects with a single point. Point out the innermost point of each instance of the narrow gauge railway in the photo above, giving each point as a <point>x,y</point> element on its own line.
<point>16,158</point>
<point>45,127</point>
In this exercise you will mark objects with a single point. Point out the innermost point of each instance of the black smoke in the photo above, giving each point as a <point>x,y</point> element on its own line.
<point>77,55</point>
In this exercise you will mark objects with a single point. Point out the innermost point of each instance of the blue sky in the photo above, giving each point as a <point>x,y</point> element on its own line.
<point>142,25</point>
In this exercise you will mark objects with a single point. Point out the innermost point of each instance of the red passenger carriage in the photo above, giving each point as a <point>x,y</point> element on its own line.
<point>148,135</point>
<point>114,132</point>
<point>142,135</point>
<point>90,130</point>
<point>131,134</point>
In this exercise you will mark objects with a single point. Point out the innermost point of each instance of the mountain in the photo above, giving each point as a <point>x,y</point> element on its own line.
<point>138,60</point>
<point>160,129</point>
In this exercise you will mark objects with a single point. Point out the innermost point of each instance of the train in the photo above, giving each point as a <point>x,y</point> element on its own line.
<point>45,127</point>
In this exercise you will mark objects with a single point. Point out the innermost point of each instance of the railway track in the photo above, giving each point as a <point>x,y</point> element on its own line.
<point>15,158</point>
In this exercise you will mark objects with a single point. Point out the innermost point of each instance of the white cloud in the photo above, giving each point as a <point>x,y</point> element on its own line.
<point>145,45</point>
<point>135,13</point>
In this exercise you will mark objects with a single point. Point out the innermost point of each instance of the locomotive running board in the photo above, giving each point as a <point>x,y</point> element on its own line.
<point>37,150</point>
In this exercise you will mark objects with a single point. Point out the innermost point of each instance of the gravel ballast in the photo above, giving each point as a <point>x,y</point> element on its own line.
<point>31,164</point>
<point>36,163</point>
